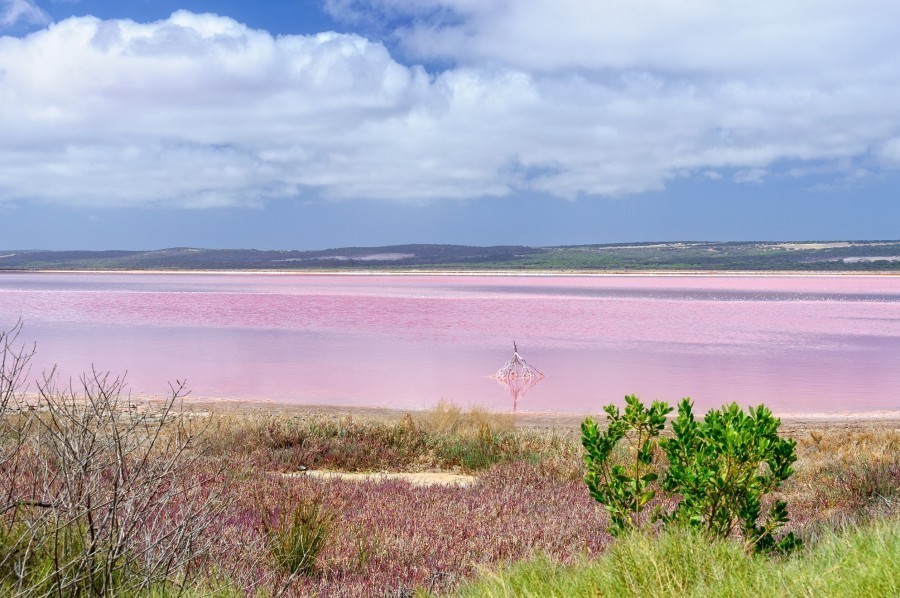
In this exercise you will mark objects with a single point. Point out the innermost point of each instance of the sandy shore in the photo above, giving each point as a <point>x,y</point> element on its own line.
<point>212,405</point>
<point>205,406</point>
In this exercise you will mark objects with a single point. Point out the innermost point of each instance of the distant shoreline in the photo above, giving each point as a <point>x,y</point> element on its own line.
<point>669,258</point>
<point>498,273</point>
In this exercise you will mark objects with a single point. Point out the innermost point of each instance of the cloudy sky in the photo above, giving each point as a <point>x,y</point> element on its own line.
<point>324,123</point>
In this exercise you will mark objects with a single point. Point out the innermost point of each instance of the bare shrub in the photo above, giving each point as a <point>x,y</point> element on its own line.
<point>16,541</point>
<point>15,360</point>
<point>100,498</point>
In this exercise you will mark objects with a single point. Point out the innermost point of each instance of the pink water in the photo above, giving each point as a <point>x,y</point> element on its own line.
<point>798,344</point>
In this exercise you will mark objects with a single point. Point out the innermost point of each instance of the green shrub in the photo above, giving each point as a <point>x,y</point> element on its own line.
<point>301,537</point>
<point>723,466</point>
<point>624,490</point>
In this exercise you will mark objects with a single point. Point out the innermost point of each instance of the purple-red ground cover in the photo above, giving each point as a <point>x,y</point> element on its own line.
<point>392,537</point>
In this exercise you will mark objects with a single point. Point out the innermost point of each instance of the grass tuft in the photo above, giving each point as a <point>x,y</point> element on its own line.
<point>300,537</point>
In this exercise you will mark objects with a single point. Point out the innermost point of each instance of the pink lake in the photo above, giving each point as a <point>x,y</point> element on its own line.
<point>796,343</point>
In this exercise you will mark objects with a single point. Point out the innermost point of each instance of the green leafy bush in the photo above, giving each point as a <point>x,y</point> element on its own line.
<point>624,489</point>
<point>723,466</point>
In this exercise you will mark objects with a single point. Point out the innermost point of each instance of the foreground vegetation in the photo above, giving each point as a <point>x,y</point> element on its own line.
<point>391,537</point>
<point>102,496</point>
<point>861,561</point>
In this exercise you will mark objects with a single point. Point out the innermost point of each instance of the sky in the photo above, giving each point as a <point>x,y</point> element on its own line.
<point>309,124</point>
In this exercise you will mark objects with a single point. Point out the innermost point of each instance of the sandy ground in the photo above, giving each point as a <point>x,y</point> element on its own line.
<point>426,478</point>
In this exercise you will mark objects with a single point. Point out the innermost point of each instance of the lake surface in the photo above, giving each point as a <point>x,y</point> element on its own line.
<point>797,343</point>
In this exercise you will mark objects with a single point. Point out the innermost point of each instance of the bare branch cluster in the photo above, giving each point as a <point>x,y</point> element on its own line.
<point>99,498</point>
<point>517,376</point>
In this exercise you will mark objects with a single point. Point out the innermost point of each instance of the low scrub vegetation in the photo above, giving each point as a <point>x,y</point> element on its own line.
<point>444,438</point>
<point>102,496</point>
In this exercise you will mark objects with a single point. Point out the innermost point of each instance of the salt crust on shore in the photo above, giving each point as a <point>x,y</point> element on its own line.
<point>301,408</point>
<point>205,406</point>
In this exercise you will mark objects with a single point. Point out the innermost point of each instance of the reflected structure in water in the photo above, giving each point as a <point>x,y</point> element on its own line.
<point>517,376</point>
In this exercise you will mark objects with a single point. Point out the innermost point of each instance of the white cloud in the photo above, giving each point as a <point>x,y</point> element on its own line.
<point>733,37</point>
<point>200,110</point>
<point>890,151</point>
<point>751,175</point>
<point>15,11</point>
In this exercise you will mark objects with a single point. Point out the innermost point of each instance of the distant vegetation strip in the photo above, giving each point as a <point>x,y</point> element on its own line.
<point>687,256</point>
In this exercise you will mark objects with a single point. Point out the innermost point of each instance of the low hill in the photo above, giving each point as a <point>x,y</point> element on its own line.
<point>708,256</point>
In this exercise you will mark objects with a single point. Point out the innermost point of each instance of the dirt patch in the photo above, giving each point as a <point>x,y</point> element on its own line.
<point>415,478</point>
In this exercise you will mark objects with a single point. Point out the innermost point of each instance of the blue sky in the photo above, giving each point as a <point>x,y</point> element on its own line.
<point>312,124</point>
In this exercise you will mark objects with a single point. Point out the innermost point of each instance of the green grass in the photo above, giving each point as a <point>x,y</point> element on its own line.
<point>857,562</point>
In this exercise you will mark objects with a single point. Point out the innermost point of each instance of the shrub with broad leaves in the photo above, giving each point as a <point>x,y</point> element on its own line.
<point>723,466</point>
<point>720,468</point>
<point>624,487</point>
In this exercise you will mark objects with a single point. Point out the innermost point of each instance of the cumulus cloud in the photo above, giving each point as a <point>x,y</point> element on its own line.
<point>200,110</point>
<point>193,110</point>
<point>13,12</point>
<point>730,37</point>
